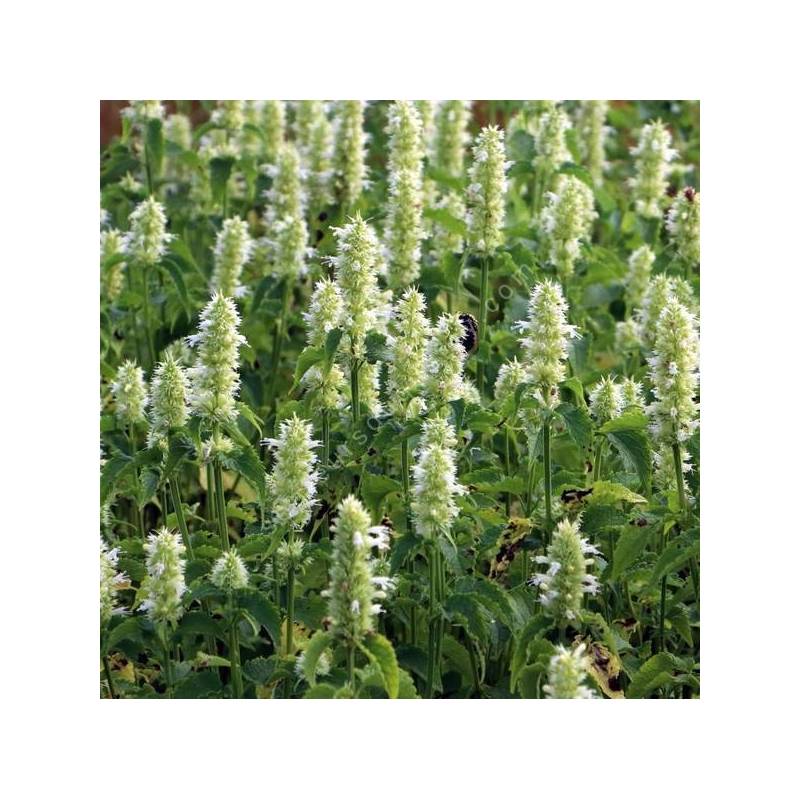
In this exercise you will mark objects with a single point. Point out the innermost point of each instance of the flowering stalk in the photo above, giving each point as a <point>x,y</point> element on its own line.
<point>229,573</point>
<point>486,200</point>
<point>292,488</point>
<point>231,253</point>
<point>403,231</point>
<point>164,587</point>
<point>111,582</point>
<point>355,266</point>
<point>434,509</point>
<point>349,164</point>
<point>146,243</point>
<point>605,403</point>
<point>566,221</point>
<point>451,136</point>
<point>551,150</point>
<point>545,350</point>
<point>683,224</point>
<point>652,155</point>
<point>141,113</point>
<point>355,589</point>
<point>214,386</point>
<point>592,133</point>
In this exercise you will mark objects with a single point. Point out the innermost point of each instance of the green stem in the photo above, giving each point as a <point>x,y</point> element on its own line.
<point>433,581</point>
<point>148,326</point>
<point>280,335</point>
<point>598,460</point>
<point>548,482</point>
<point>178,506</point>
<point>107,671</point>
<point>351,666</point>
<point>167,661</point>
<point>473,663</point>
<point>326,437</point>
<point>482,317</point>
<point>676,457</point>
<point>236,670</point>
<point>508,468</point>
<point>211,511</point>
<point>290,580</point>
<point>355,365</point>
<point>222,518</point>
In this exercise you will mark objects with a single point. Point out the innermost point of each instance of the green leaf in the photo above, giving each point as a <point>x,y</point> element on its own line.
<point>444,218</point>
<point>321,691</point>
<point>578,423</point>
<point>530,681</point>
<point>332,341</point>
<point>631,544</point>
<point>245,461</point>
<point>199,685</point>
<point>605,493</point>
<point>129,629</point>
<point>307,359</point>
<point>154,139</point>
<point>114,470</point>
<point>316,646</point>
<point>634,448</point>
<point>221,169</point>
<point>482,421</point>
<point>259,670</point>
<point>376,349</point>
<point>379,650</point>
<point>374,488</point>
<point>575,387</point>
<point>534,628</point>
<point>631,420</point>
<point>654,673</point>
<point>465,609</point>
<point>202,660</point>
<point>672,559</point>
<point>198,622</point>
<point>264,612</point>
<point>255,545</point>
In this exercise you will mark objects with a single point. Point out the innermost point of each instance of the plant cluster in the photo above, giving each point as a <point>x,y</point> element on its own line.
<point>400,399</point>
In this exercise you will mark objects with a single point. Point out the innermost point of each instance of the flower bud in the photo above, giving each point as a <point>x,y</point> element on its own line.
<point>566,221</point>
<point>640,265</point>
<point>683,224</point>
<point>146,241</point>
<point>651,155</point>
<point>486,191</point>
<point>444,361</point>
<point>168,398</point>
<point>451,136</point>
<point>129,391</point>
<point>349,154</point>
<point>229,572</point>
<point>409,334</point>
<point>324,311</point>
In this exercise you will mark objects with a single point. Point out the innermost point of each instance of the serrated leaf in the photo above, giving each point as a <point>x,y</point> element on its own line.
<point>114,470</point>
<point>199,685</point>
<point>374,488</point>
<point>198,622</point>
<point>631,544</point>
<point>634,448</point>
<point>379,650</point>
<point>220,169</point>
<point>654,673</point>
<point>631,420</point>
<point>316,646</point>
<point>606,493</point>
<point>263,611</point>
<point>129,629</point>
<point>466,610</point>
<point>534,628</point>
<point>672,559</point>
<point>244,460</point>
<point>259,670</point>
<point>578,423</point>
<point>307,359</point>
<point>154,139</point>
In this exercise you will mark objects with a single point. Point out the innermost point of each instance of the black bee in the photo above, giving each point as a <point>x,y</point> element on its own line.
<point>574,495</point>
<point>689,193</point>
<point>470,338</point>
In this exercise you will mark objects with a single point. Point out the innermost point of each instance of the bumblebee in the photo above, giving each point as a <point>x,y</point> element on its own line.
<point>471,337</point>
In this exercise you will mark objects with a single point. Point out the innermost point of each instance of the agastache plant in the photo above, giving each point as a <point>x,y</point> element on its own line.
<point>592,132</point>
<point>566,222</point>
<point>355,590</point>
<point>683,224</point>
<point>129,391</point>
<point>566,579</point>
<point>409,334</point>
<point>444,362</point>
<point>545,347</point>
<point>652,155</point>
<point>164,588</point>
<point>640,265</point>
<point>231,252</point>
<point>451,136</point>
<point>349,151</point>
<point>486,193</point>
<point>434,509</point>
<point>111,276</point>
<point>292,492</point>
<point>273,122</point>
<point>404,232</point>
<point>168,401</point>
